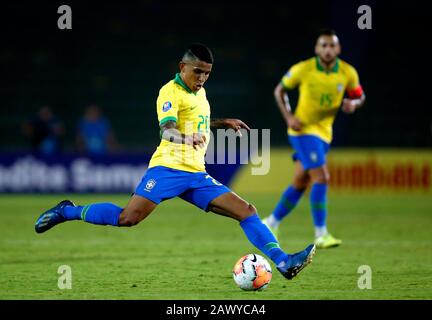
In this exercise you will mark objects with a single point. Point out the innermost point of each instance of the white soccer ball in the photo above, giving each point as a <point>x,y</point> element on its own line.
<point>252,272</point>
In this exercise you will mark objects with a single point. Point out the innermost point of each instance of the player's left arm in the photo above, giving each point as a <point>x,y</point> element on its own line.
<point>356,96</point>
<point>235,124</point>
<point>350,105</point>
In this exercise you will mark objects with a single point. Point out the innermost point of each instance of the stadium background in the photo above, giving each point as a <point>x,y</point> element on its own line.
<point>119,54</point>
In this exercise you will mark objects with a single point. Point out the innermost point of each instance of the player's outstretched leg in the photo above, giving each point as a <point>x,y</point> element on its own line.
<point>229,204</point>
<point>98,213</point>
<point>137,209</point>
<point>52,217</point>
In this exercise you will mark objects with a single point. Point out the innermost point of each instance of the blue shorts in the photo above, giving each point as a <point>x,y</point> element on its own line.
<point>309,150</point>
<point>161,183</point>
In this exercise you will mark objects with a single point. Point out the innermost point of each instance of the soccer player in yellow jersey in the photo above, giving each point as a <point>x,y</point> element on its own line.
<point>177,169</point>
<point>322,82</point>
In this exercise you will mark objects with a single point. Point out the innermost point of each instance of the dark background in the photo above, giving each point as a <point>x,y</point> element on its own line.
<point>118,54</point>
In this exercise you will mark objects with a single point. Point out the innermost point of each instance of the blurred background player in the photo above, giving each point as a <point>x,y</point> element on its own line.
<point>94,133</point>
<point>322,82</point>
<point>177,168</point>
<point>45,131</point>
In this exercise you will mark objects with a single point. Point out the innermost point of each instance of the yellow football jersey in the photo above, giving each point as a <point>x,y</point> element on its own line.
<point>320,94</point>
<point>191,112</point>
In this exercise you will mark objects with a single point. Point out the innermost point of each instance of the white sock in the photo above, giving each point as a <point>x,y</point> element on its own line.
<point>272,222</point>
<point>320,231</point>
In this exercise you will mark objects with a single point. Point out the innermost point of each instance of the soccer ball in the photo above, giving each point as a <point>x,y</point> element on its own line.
<point>252,272</point>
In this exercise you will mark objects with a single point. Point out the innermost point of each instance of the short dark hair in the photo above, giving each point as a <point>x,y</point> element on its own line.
<point>326,32</point>
<point>198,51</point>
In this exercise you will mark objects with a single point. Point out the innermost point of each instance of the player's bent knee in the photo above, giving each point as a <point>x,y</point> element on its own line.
<point>250,211</point>
<point>247,211</point>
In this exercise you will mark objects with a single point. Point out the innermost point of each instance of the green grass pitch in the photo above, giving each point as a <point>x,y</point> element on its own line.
<point>180,252</point>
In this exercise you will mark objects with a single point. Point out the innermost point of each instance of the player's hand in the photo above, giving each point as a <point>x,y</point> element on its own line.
<point>348,106</point>
<point>236,124</point>
<point>196,140</point>
<point>294,123</point>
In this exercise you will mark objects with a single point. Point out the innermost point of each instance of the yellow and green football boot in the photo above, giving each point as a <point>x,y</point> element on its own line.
<point>327,241</point>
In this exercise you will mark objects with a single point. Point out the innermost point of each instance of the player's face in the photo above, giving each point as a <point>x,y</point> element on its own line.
<point>195,73</point>
<point>327,48</point>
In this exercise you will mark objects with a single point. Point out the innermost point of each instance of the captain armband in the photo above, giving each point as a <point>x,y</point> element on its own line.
<point>355,93</point>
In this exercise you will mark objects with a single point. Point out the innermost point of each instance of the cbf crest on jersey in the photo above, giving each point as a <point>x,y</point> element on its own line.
<point>166,106</point>
<point>340,87</point>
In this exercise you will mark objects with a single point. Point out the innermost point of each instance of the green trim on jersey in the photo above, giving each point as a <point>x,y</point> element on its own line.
<point>284,86</point>
<point>320,67</point>
<point>171,118</point>
<point>179,81</point>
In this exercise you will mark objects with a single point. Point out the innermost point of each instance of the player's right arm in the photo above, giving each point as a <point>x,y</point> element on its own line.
<point>282,101</point>
<point>170,133</point>
<point>289,81</point>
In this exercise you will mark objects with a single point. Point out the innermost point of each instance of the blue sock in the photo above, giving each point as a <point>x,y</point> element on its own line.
<point>262,238</point>
<point>98,213</point>
<point>287,202</point>
<point>318,199</point>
